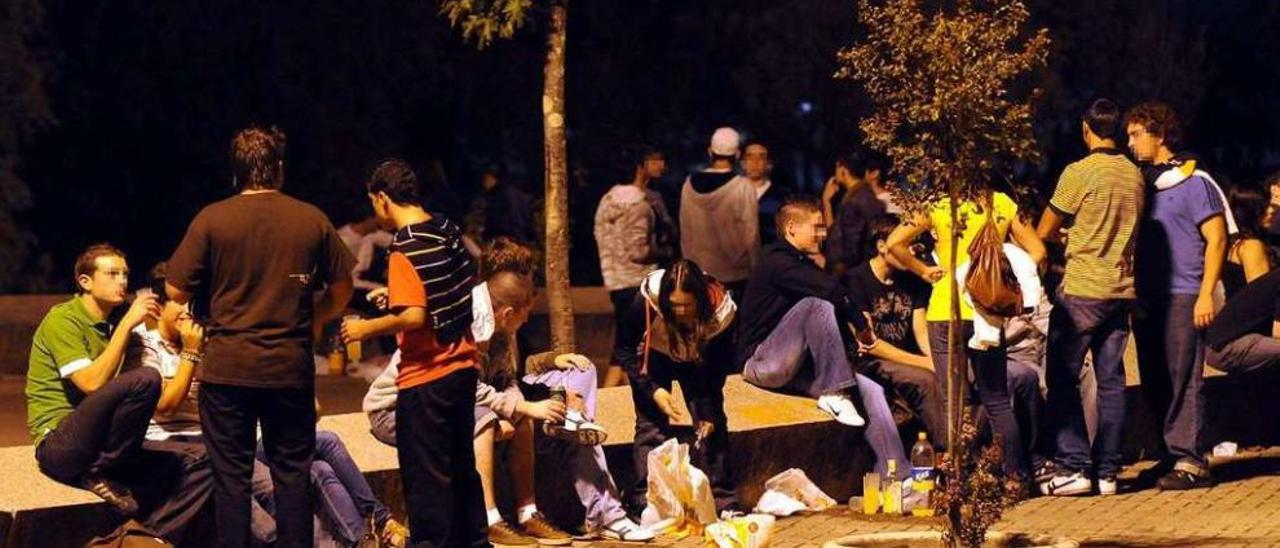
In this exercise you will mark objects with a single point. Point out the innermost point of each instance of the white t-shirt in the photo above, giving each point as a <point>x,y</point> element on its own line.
<point>155,352</point>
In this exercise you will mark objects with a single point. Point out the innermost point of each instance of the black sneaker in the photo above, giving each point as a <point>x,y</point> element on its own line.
<point>1149,477</point>
<point>117,497</point>
<point>1181,480</point>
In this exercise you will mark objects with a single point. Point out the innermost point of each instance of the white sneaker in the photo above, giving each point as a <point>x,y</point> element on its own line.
<point>576,429</point>
<point>841,408</point>
<point>1067,486</point>
<point>626,530</point>
<point>1106,486</point>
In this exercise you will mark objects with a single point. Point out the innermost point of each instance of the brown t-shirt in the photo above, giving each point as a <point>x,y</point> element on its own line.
<point>259,259</point>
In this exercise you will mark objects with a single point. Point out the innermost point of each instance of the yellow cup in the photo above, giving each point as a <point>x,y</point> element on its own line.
<point>355,349</point>
<point>337,362</point>
<point>870,493</point>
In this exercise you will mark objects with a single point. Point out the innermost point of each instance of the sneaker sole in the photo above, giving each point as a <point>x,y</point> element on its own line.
<point>591,437</point>
<point>1048,491</point>
<point>1205,485</point>
<point>614,537</point>
<point>555,542</point>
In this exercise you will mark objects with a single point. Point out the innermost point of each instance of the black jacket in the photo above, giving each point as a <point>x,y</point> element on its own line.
<point>784,276</point>
<point>847,242</point>
<point>702,383</point>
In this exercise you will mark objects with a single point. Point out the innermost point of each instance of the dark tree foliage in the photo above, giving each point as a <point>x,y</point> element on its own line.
<point>24,111</point>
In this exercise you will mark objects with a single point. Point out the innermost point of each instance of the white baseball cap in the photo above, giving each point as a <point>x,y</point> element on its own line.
<point>724,142</point>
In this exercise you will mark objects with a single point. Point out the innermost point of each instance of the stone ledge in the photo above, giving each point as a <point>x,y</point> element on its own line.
<point>768,433</point>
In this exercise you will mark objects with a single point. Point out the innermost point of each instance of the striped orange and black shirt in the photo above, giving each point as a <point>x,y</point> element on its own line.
<point>429,268</point>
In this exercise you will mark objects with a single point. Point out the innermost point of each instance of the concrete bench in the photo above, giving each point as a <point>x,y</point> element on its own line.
<point>768,433</point>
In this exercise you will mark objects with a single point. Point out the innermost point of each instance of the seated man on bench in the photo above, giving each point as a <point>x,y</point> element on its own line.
<point>790,327</point>
<point>346,506</point>
<point>88,419</point>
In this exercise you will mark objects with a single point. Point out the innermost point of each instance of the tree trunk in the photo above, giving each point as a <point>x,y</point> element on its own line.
<point>957,362</point>
<point>559,303</point>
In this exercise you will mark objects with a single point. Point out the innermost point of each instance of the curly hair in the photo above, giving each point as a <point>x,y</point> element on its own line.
<point>1158,119</point>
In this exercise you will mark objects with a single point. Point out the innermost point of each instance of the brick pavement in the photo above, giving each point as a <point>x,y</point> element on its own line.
<point>1242,510</point>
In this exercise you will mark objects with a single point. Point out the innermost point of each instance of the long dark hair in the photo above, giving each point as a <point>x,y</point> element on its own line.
<point>686,275</point>
<point>1249,207</point>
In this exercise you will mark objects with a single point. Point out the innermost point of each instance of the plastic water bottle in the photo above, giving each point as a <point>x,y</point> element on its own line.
<point>922,460</point>
<point>892,494</point>
<point>923,475</point>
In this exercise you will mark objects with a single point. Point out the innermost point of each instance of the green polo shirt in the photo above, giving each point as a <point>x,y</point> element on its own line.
<point>67,341</point>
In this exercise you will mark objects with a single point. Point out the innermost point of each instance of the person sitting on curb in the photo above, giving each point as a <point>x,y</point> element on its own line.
<point>172,345</point>
<point>895,301</point>
<point>88,417</point>
<point>793,310</point>
<point>790,336</point>
<point>1245,337</point>
<point>501,306</point>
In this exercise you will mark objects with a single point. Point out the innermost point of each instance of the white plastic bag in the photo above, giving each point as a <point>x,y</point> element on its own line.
<point>753,531</point>
<point>679,494</point>
<point>790,492</point>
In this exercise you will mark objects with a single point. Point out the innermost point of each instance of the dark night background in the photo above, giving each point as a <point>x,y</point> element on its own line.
<point>116,115</point>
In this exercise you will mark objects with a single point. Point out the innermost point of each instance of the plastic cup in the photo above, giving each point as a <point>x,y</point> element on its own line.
<point>355,349</point>
<point>870,493</point>
<point>337,362</point>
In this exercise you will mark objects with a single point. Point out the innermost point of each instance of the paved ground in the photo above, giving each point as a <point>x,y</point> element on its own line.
<point>1242,510</point>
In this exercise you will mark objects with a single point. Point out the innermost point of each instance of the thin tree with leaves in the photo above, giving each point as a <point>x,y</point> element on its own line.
<point>952,106</point>
<point>483,21</point>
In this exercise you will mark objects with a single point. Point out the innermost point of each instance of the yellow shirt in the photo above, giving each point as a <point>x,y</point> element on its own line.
<point>972,217</point>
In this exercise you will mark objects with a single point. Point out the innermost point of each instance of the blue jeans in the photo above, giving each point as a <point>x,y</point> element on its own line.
<point>882,432</point>
<point>990,370</point>
<point>1023,381</point>
<point>1250,353</point>
<point>345,498</point>
<point>809,330</point>
<point>1171,362</point>
<point>1078,325</point>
